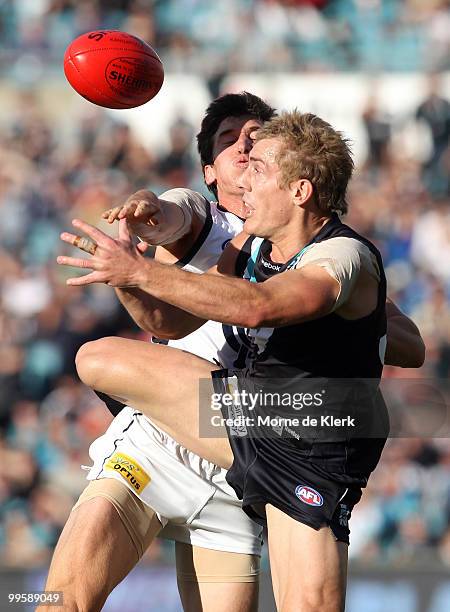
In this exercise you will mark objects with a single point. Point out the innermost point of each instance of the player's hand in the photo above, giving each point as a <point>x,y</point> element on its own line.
<point>143,212</point>
<point>114,262</point>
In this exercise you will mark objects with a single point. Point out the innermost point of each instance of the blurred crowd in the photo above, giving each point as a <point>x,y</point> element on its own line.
<point>238,35</point>
<point>47,418</point>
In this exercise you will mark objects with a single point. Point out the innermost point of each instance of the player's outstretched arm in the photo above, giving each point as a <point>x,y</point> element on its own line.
<point>405,347</point>
<point>288,298</point>
<point>115,262</point>
<point>171,222</point>
<point>121,264</point>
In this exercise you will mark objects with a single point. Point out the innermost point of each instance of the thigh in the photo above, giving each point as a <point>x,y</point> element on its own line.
<point>166,384</point>
<point>308,582</point>
<point>139,520</point>
<point>216,581</point>
<point>86,557</point>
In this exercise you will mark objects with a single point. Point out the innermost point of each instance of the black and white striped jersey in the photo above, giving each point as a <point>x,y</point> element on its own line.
<point>222,344</point>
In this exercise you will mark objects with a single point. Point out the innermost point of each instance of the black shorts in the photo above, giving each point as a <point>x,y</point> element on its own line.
<point>315,483</point>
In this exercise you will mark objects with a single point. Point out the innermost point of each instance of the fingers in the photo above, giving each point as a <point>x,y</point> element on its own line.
<point>124,231</point>
<point>68,237</point>
<point>129,210</point>
<point>141,208</point>
<point>112,214</point>
<point>145,211</point>
<point>126,211</point>
<point>62,260</point>
<point>142,246</point>
<point>85,244</point>
<point>135,209</point>
<point>87,279</point>
<point>97,235</point>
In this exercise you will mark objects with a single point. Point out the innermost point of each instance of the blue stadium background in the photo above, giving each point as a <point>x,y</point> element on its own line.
<point>60,157</point>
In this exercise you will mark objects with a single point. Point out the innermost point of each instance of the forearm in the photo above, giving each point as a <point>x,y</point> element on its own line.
<point>143,309</point>
<point>405,347</point>
<point>206,296</point>
<point>155,316</point>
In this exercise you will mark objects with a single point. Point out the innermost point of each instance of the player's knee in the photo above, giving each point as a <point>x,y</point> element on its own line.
<point>313,599</point>
<point>78,596</point>
<point>71,577</point>
<point>91,358</point>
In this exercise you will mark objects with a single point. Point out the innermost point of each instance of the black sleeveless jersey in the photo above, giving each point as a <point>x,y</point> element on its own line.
<point>330,346</point>
<point>345,355</point>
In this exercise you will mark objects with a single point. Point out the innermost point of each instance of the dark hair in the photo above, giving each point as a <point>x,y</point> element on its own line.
<point>228,105</point>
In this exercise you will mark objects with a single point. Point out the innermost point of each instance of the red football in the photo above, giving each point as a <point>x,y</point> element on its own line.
<point>113,69</point>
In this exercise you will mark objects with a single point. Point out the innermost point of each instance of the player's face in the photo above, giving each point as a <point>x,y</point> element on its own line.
<point>232,144</point>
<point>269,207</point>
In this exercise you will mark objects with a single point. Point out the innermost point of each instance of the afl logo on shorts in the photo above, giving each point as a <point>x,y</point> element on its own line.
<point>309,496</point>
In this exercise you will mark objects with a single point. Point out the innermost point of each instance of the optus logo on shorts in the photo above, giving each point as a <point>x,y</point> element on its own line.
<point>309,496</point>
<point>129,469</point>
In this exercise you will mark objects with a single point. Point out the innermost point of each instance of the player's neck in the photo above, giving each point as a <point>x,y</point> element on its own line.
<point>291,239</point>
<point>233,204</point>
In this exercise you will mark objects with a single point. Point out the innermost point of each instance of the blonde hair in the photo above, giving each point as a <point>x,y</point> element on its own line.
<point>313,150</point>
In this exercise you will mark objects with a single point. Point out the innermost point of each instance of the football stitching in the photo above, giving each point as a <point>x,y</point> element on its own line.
<point>116,49</point>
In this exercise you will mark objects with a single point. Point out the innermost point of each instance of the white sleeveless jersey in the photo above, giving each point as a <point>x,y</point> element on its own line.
<point>190,495</point>
<point>218,343</point>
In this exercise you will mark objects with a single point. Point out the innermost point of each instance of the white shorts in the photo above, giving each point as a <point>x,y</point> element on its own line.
<point>189,494</point>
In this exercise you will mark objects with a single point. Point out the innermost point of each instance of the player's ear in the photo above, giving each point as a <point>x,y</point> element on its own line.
<point>210,174</point>
<point>302,191</point>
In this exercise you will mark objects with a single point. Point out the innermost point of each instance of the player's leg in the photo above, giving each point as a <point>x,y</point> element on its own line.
<point>160,381</point>
<point>216,581</point>
<point>106,534</point>
<point>311,582</point>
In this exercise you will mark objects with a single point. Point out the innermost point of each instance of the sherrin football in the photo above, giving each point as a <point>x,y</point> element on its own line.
<point>113,69</point>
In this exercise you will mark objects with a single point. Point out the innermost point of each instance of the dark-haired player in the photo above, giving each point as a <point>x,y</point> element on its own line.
<point>143,482</point>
